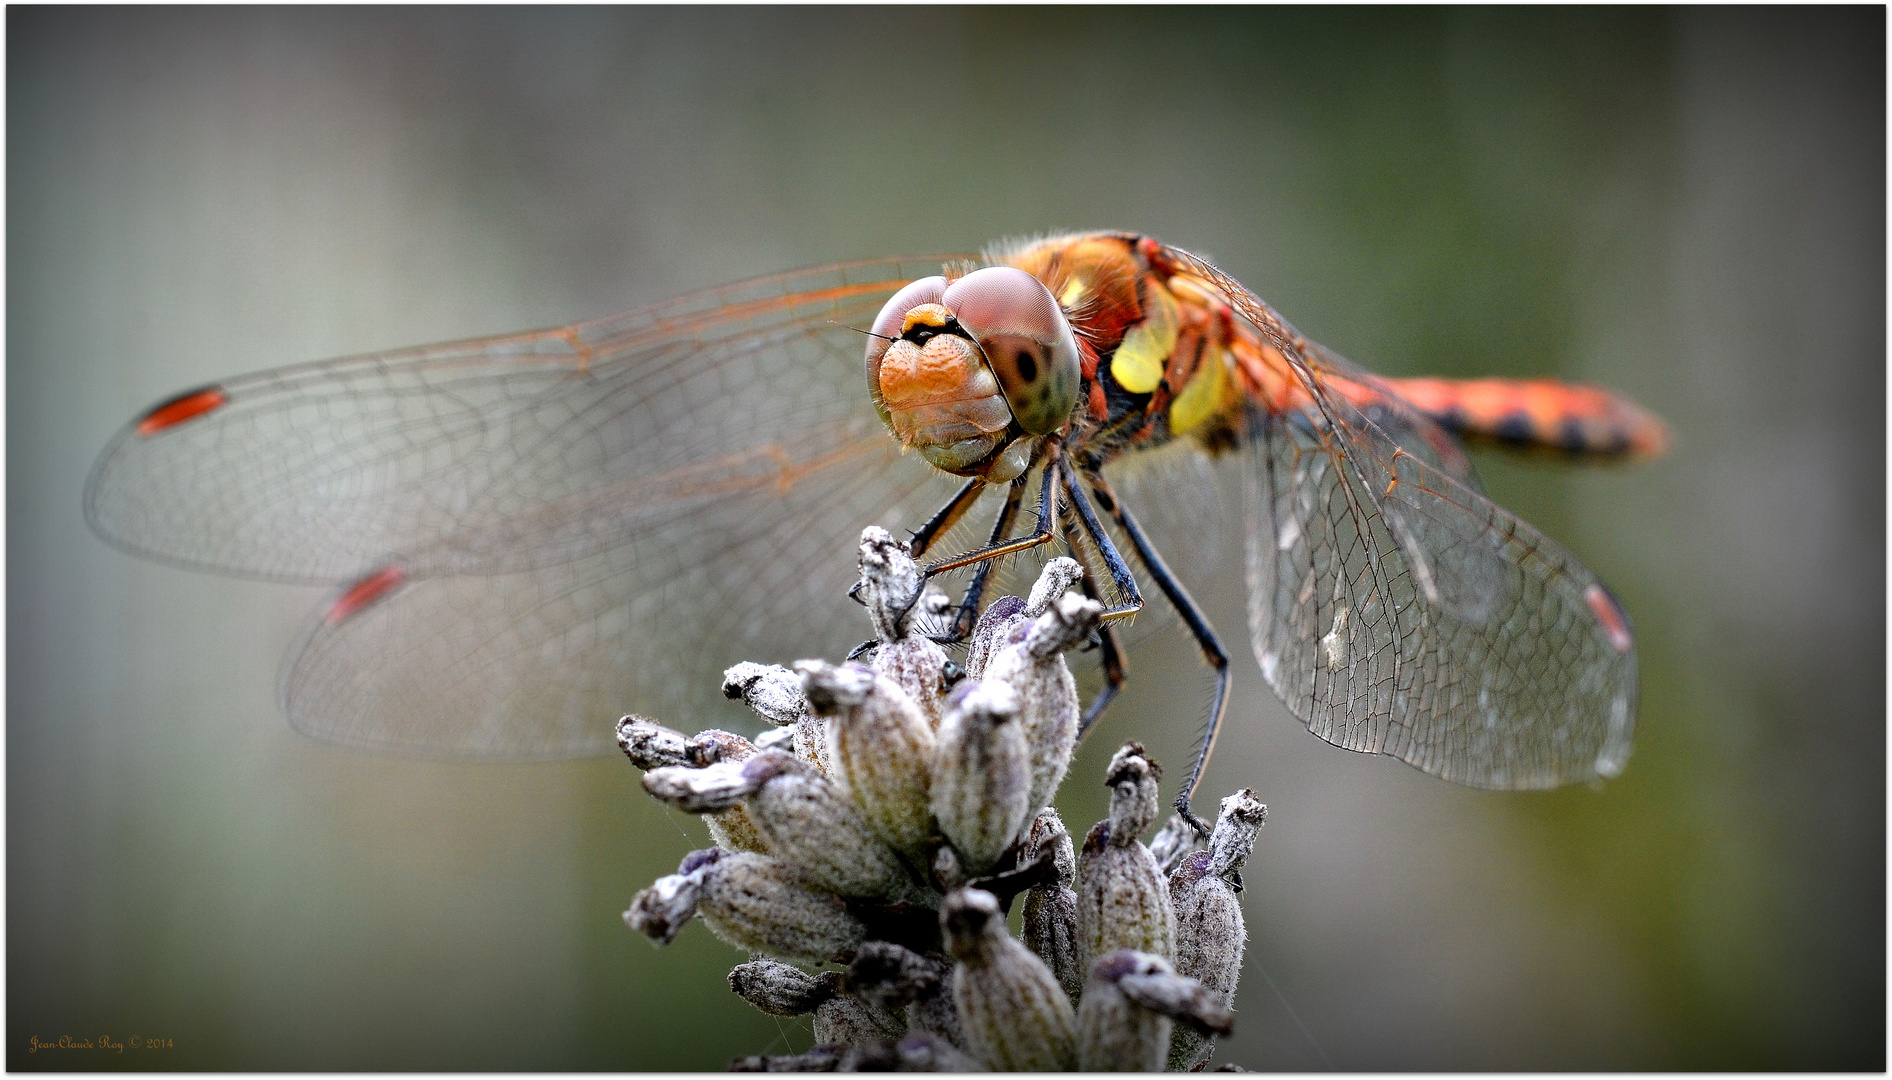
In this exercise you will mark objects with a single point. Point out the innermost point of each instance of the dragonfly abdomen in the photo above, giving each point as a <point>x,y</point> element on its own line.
<point>1547,414</point>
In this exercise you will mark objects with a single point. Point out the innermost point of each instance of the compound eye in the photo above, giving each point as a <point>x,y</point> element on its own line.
<point>1026,340</point>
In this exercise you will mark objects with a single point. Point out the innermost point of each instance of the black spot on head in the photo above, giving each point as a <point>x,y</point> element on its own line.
<point>1027,366</point>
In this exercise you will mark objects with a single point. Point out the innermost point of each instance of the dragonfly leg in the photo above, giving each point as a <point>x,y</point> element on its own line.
<point>1206,639</point>
<point>1110,650</point>
<point>1047,524</point>
<point>946,516</point>
<point>971,602</point>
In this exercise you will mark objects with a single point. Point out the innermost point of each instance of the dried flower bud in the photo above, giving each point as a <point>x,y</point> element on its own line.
<point>1014,1016</point>
<point>981,774</point>
<point>755,903</point>
<point>1122,899</point>
<point>892,587</point>
<point>1057,578</point>
<point>1050,915</point>
<point>707,790</point>
<point>775,693</point>
<point>811,826</point>
<point>715,745</point>
<point>994,631</point>
<point>782,989</point>
<point>1115,1033</point>
<point>661,911</point>
<point>1210,931</point>
<point>879,748</point>
<point>1047,695</point>
<point>650,745</point>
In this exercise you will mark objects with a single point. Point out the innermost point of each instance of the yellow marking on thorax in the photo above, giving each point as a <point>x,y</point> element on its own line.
<point>1139,361</point>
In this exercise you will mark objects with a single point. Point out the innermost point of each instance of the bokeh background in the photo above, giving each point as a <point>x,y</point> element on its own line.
<point>1688,206</point>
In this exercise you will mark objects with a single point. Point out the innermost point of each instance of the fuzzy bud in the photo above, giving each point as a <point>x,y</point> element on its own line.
<point>756,904</point>
<point>1122,899</point>
<point>1047,695</point>
<point>842,1019</point>
<point>1050,914</point>
<point>890,978</point>
<point>981,774</point>
<point>880,749</point>
<point>994,631</point>
<point>782,989</point>
<point>715,745</point>
<point>1014,1016</point>
<point>893,588</point>
<point>661,911</point>
<point>706,790</point>
<point>775,693</point>
<point>1114,1033</point>
<point>817,832</point>
<point>650,745</point>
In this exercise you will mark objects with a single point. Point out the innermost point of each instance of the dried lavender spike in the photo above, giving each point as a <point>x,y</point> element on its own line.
<point>782,989</point>
<point>1210,930</point>
<point>1047,695</point>
<point>812,827</point>
<point>648,744</point>
<point>1180,998</point>
<point>1014,1016</point>
<point>775,693</point>
<point>880,749</point>
<point>708,790</point>
<point>1050,914</point>
<point>981,774</point>
<point>755,903</point>
<point>1122,899</point>
<point>1116,1033</point>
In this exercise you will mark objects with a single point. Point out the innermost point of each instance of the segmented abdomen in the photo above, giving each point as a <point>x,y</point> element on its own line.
<point>1542,413</point>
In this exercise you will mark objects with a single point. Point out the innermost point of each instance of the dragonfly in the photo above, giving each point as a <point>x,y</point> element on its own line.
<point>528,534</point>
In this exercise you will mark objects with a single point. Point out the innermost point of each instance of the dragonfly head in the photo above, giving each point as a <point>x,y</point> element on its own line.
<point>970,372</point>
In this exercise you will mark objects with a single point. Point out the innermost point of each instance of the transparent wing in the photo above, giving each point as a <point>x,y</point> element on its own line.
<point>542,532</point>
<point>501,453</point>
<point>1398,611</point>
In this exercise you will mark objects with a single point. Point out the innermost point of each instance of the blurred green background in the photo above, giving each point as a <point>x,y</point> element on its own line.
<point>1688,206</point>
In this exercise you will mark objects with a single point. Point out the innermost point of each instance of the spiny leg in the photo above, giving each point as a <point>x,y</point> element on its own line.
<point>1047,525</point>
<point>946,516</point>
<point>969,604</point>
<point>1109,650</point>
<point>1192,617</point>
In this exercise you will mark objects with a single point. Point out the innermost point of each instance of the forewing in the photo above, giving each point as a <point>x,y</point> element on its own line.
<point>501,454</point>
<point>1398,611</point>
<point>538,664</point>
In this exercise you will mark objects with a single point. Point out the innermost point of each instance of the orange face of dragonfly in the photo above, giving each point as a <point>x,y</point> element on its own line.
<point>529,535</point>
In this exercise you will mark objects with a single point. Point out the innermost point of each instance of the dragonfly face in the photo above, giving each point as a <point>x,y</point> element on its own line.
<point>532,534</point>
<point>970,372</point>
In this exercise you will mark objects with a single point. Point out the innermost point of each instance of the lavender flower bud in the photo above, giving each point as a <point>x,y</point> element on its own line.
<point>892,586</point>
<point>842,1019</point>
<point>715,745</point>
<point>812,827</point>
<point>1047,695</point>
<point>707,790</point>
<point>994,631</point>
<point>755,903</point>
<point>981,774</point>
<point>1050,914</point>
<point>1122,900</point>
<point>880,749</point>
<point>1115,1033</point>
<point>1014,1017</point>
<point>926,1052</point>
<point>1210,931</point>
<point>661,911</point>
<point>782,989</point>
<point>775,693</point>
<point>650,745</point>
